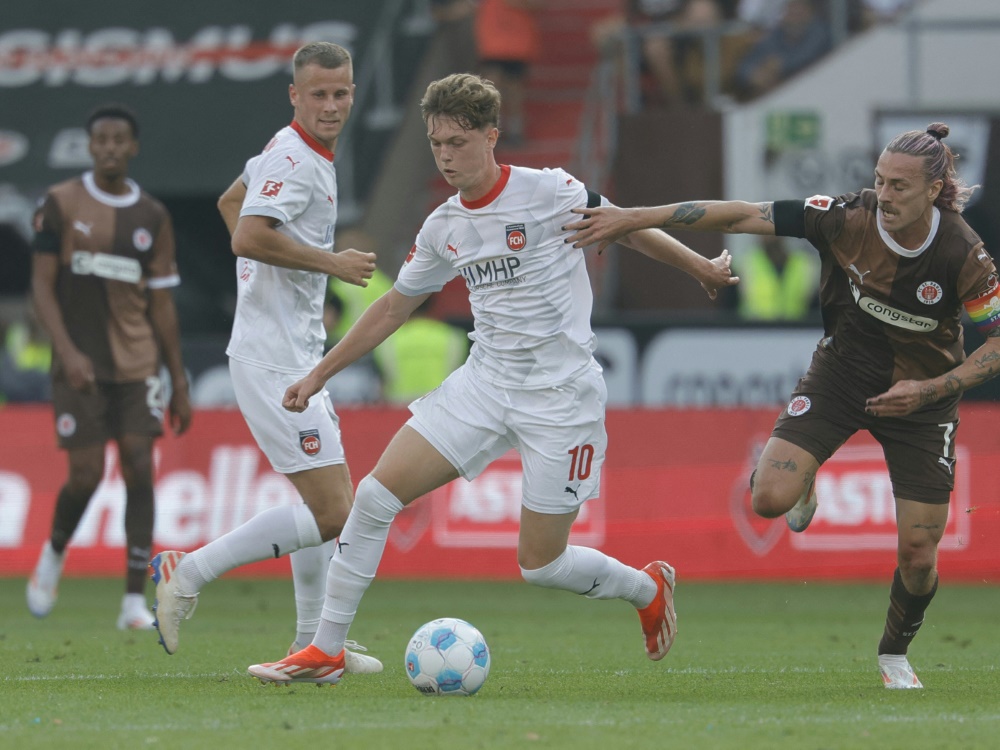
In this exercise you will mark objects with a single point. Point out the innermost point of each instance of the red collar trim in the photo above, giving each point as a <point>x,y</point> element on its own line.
<point>312,143</point>
<point>494,191</point>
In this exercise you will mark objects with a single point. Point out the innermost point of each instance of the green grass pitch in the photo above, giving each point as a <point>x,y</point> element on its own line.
<point>754,666</point>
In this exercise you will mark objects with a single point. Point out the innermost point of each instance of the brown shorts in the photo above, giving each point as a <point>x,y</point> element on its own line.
<point>109,410</point>
<point>828,406</point>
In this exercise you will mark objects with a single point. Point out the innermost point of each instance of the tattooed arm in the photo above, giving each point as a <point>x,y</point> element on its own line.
<point>907,396</point>
<point>608,224</point>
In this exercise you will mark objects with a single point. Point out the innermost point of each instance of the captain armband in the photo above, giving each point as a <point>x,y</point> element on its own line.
<point>985,311</point>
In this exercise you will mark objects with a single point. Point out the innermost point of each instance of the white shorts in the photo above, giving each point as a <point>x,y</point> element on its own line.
<point>292,442</point>
<point>558,431</point>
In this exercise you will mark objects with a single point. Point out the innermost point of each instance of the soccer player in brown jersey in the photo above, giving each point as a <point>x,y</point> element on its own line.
<point>899,264</point>
<point>102,269</point>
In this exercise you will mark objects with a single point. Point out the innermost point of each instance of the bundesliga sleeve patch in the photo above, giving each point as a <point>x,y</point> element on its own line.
<point>985,311</point>
<point>820,202</point>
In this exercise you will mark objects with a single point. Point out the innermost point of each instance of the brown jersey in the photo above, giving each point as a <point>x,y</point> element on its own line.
<point>892,313</point>
<point>112,249</point>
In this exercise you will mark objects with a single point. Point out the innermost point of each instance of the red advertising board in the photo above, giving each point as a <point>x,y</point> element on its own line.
<point>674,488</point>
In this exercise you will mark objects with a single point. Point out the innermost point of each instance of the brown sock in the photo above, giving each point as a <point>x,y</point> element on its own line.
<point>905,616</point>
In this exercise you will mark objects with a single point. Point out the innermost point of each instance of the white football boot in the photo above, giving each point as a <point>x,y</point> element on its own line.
<point>170,606</point>
<point>134,614</point>
<point>43,586</point>
<point>897,674</point>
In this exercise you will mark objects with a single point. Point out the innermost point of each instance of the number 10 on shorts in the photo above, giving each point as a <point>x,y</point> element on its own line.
<point>581,462</point>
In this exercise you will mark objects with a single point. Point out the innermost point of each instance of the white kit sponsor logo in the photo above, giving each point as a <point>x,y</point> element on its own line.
<point>892,316</point>
<point>106,266</point>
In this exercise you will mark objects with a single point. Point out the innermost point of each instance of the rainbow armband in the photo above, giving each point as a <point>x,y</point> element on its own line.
<point>985,311</point>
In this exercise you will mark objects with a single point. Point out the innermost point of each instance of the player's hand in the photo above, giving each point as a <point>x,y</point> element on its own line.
<point>298,394</point>
<point>905,397</point>
<point>79,370</point>
<point>180,410</point>
<point>354,266</point>
<point>720,276</point>
<point>603,225</point>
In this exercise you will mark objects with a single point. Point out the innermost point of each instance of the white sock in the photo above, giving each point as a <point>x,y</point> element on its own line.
<point>593,574</point>
<point>272,533</point>
<point>309,568</point>
<point>359,551</point>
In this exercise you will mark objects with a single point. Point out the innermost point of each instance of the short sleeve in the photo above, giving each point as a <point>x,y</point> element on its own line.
<point>48,227</point>
<point>162,269</point>
<point>277,186</point>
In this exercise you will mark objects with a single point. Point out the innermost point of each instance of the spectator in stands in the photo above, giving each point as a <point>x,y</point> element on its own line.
<point>25,362</point>
<point>776,282</point>
<point>508,41</point>
<point>419,356</point>
<point>673,65</point>
<point>455,20</point>
<point>801,37</point>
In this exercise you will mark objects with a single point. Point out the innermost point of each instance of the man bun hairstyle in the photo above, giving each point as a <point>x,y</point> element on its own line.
<point>939,163</point>
<point>472,101</point>
<point>116,111</point>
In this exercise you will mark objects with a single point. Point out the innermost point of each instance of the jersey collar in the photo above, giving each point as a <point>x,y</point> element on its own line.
<point>312,143</point>
<point>494,191</point>
<point>899,249</point>
<point>108,199</point>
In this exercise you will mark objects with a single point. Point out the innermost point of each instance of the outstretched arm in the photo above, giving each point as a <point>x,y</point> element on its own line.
<point>608,224</point>
<point>382,318</point>
<point>711,274</point>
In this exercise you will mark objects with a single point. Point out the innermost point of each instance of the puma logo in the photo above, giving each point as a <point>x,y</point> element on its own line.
<point>294,163</point>
<point>82,227</point>
<point>949,463</point>
<point>861,276</point>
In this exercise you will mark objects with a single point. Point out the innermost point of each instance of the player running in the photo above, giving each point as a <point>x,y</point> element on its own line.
<point>899,266</point>
<point>531,382</point>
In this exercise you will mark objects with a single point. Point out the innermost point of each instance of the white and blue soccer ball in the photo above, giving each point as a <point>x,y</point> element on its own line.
<point>447,657</point>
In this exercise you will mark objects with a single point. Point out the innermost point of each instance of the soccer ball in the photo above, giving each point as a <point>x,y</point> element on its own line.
<point>447,657</point>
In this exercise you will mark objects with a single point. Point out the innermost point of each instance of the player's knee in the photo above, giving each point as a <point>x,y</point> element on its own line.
<point>541,570</point>
<point>767,502</point>
<point>916,558</point>
<point>330,520</point>
<point>83,480</point>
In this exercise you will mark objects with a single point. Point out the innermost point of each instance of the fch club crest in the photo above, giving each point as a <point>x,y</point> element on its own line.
<point>517,240</point>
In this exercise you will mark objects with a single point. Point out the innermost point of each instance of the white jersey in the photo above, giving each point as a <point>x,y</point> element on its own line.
<point>530,292</point>
<point>279,311</point>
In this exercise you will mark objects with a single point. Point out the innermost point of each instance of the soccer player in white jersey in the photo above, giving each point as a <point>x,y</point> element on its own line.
<point>530,383</point>
<point>281,214</point>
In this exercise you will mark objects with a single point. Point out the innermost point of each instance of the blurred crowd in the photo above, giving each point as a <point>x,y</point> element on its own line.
<point>760,44</point>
